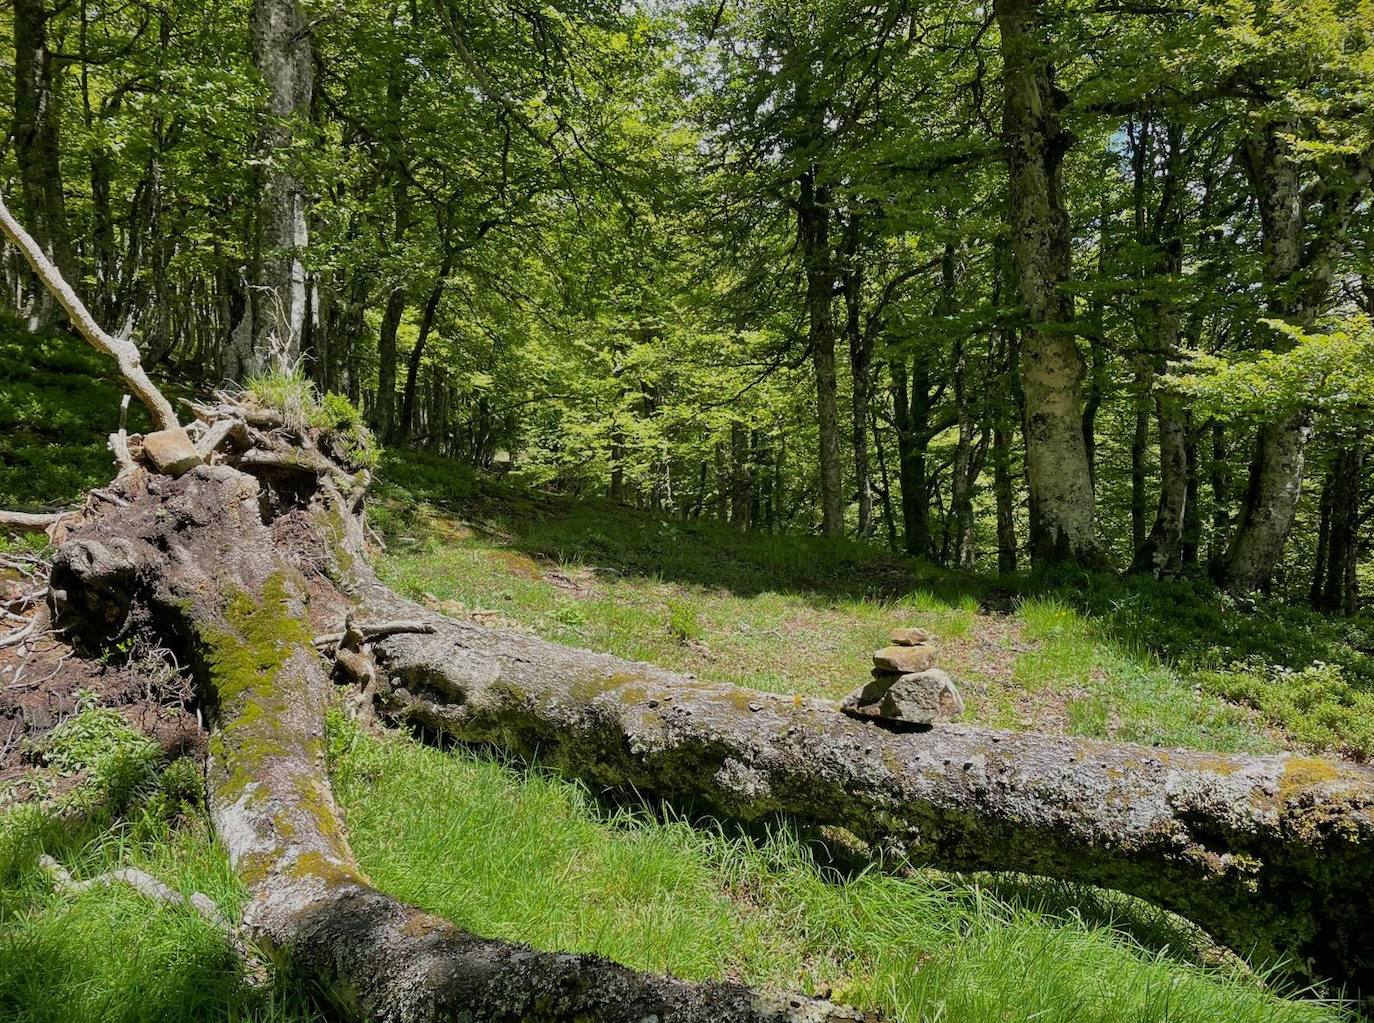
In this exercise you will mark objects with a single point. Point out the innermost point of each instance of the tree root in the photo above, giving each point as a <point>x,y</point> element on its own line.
<point>142,882</point>
<point>195,559</point>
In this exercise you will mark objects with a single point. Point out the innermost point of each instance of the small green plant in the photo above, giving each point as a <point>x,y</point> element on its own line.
<point>570,613</point>
<point>120,761</point>
<point>684,621</point>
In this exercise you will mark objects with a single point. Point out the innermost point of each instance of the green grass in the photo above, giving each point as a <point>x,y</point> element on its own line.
<point>530,857</point>
<point>59,401</point>
<point>702,599</point>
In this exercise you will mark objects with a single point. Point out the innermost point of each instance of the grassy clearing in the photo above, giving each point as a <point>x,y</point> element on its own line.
<point>526,856</point>
<point>784,614</point>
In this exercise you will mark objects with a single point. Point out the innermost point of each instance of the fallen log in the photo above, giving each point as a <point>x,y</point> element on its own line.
<point>1270,854</point>
<point>193,560</point>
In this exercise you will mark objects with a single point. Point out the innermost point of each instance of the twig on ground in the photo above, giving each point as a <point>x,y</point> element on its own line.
<point>18,635</point>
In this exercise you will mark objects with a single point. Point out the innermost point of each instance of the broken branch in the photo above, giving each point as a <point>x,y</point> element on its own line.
<point>122,350</point>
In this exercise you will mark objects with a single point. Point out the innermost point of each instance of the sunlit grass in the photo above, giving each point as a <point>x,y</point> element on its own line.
<point>530,857</point>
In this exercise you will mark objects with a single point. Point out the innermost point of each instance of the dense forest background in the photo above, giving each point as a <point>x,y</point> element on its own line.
<point>1039,283</point>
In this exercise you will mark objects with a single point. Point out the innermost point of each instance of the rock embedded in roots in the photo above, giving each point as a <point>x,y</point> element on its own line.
<point>171,452</point>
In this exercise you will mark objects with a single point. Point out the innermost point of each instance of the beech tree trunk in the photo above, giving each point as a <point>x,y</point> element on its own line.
<point>194,560</point>
<point>1267,853</point>
<point>911,403</point>
<point>275,311</point>
<point>1061,487</point>
<point>36,143</point>
<point>1335,583</point>
<point>1299,258</point>
<point>813,225</point>
<point>861,373</point>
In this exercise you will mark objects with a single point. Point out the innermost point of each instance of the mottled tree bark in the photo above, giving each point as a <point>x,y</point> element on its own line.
<point>193,561</point>
<point>813,228</point>
<point>1303,230</point>
<point>274,314</point>
<point>1061,488</point>
<point>1268,853</point>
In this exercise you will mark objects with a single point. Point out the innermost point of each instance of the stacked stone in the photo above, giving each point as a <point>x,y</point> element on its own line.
<point>906,685</point>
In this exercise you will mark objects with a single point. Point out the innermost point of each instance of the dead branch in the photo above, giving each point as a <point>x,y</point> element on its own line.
<point>374,630</point>
<point>142,882</point>
<point>122,350</point>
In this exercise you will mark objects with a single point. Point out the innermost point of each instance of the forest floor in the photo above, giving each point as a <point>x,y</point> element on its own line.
<point>512,851</point>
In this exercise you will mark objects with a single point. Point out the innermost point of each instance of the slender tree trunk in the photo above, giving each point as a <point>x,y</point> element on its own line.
<point>407,423</point>
<point>1192,512</point>
<point>861,371</point>
<point>283,56</point>
<point>813,222</point>
<point>888,518</point>
<point>741,484</point>
<point>1161,553</point>
<point>1061,488</point>
<point>36,145</point>
<point>1335,586</point>
<point>722,485</point>
<point>384,413</point>
<point>911,416</point>
<point>1219,480</point>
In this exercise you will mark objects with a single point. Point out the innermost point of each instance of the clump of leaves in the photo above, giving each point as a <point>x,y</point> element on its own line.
<point>100,743</point>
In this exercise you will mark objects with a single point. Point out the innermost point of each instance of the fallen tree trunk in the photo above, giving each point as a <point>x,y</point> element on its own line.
<point>193,560</point>
<point>1270,854</point>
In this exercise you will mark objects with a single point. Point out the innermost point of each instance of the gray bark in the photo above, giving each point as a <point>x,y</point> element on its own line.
<point>36,145</point>
<point>275,310</point>
<point>1061,486</point>
<point>1298,272</point>
<point>861,373</point>
<point>194,559</point>
<point>813,225</point>
<point>1267,853</point>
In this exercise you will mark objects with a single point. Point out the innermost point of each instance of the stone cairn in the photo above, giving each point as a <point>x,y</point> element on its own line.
<point>906,685</point>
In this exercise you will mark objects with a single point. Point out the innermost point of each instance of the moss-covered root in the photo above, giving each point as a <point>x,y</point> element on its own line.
<point>194,559</point>
<point>1269,854</point>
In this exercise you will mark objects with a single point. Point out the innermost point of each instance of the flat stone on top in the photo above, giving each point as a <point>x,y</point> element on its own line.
<point>910,636</point>
<point>903,660</point>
